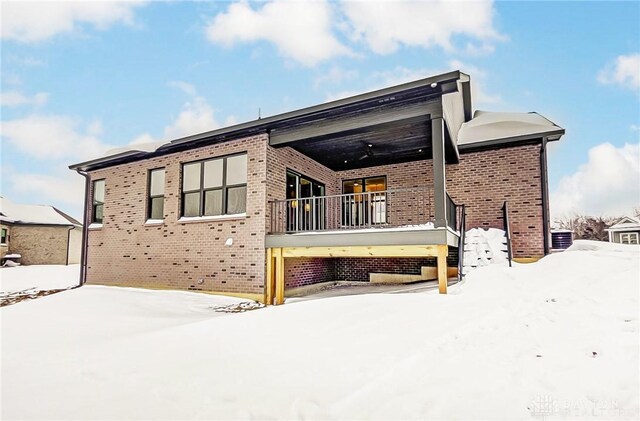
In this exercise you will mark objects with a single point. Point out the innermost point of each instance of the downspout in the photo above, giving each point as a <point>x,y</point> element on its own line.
<point>69,242</point>
<point>545,194</point>
<point>85,229</point>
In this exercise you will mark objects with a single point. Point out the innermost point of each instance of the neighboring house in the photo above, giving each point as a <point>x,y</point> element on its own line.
<point>368,184</point>
<point>625,231</point>
<point>41,235</point>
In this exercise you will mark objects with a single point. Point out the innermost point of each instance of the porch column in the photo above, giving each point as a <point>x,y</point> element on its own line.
<point>439,180</point>
<point>443,251</point>
<point>279,273</point>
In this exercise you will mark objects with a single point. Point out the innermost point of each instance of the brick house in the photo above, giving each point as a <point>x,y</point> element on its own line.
<point>40,234</point>
<point>370,183</point>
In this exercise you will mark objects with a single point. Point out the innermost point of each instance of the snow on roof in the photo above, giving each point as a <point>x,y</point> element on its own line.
<point>624,224</point>
<point>33,214</point>
<point>139,147</point>
<point>486,126</point>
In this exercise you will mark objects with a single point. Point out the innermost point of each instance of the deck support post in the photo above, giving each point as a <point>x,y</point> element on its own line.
<point>269,282</point>
<point>443,251</point>
<point>439,178</point>
<point>279,272</point>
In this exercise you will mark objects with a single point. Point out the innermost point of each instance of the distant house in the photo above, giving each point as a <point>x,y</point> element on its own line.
<point>366,185</point>
<point>625,231</point>
<point>41,235</point>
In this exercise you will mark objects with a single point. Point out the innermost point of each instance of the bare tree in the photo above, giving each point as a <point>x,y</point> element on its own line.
<point>585,227</point>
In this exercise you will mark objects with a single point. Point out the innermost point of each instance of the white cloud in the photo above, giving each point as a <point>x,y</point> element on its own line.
<point>399,75</point>
<point>481,97</point>
<point>27,21</point>
<point>16,99</point>
<point>66,187</point>
<point>624,71</point>
<point>53,137</point>
<point>301,31</point>
<point>185,87</point>
<point>335,75</point>
<point>608,184</point>
<point>385,26</point>
<point>196,116</point>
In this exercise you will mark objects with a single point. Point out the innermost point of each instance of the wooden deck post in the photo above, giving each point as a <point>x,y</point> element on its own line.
<point>269,282</point>
<point>279,270</point>
<point>443,251</point>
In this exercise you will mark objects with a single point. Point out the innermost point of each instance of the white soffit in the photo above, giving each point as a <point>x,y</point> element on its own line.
<point>486,126</point>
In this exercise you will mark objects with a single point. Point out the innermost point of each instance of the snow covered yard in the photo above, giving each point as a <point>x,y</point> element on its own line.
<point>555,339</point>
<point>24,282</point>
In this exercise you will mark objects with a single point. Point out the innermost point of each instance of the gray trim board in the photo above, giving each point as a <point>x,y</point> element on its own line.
<point>280,137</point>
<point>369,238</point>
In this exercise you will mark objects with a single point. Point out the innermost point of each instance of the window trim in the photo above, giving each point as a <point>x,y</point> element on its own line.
<point>202,190</point>
<point>363,181</point>
<point>150,197</point>
<point>94,202</point>
<point>4,233</point>
<point>630,235</point>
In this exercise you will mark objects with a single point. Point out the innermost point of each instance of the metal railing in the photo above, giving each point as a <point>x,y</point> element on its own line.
<point>461,239</point>
<point>452,213</point>
<point>388,208</point>
<point>507,230</point>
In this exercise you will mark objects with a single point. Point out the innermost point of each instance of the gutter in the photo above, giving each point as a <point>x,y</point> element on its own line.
<point>544,183</point>
<point>69,243</point>
<point>85,230</point>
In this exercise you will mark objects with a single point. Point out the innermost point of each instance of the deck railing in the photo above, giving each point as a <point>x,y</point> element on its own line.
<point>387,208</point>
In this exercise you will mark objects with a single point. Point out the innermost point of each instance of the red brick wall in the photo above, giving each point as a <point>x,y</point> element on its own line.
<point>484,180</point>
<point>302,271</point>
<point>178,255</point>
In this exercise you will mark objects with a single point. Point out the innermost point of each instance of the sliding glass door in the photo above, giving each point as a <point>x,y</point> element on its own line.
<point>364,202</point>
<point>305,209</point>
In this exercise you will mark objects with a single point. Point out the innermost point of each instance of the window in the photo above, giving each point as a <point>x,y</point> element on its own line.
<point>3,238</point>
<point>98,202</point>
<point>366,202</point>
<point>305,212</point>
<point>629,238</point>
<point>215,187</point>
<point>156,194</point>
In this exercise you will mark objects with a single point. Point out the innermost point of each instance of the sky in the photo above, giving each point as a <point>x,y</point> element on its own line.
<point>81,78</point>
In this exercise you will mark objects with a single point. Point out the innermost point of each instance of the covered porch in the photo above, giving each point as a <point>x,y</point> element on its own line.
<point>361,216</point>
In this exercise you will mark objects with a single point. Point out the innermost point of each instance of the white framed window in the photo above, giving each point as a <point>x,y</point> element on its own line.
<point>629,238</point>
<point>155,207</point>
<point>97,208</point>
<point>215,186</point>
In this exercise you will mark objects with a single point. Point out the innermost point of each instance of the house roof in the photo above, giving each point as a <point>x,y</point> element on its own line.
<point>489,127</point>
<point>625,223</point>
<point>14,213</point>
<point>263,125</point>
<point>485,129</point>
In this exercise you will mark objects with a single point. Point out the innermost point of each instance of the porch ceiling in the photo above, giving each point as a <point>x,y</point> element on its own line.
<point>388,143</point>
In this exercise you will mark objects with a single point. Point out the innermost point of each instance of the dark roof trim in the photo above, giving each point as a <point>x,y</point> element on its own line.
<point>259,126</point>
<point>552,135</point>
<point>38,224</point>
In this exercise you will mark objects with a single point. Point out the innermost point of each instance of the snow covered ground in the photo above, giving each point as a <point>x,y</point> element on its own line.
<point>38,277</point>
<point>555,339</point>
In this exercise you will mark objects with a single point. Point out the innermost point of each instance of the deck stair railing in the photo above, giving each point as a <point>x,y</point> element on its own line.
<point>387,208</point>
<point>507,230</point>
<point>461,239</point>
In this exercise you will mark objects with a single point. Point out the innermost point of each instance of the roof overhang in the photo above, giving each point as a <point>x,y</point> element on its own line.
<point>411,93</point>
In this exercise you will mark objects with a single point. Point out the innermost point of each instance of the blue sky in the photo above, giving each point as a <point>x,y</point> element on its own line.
<point>81,78</point>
